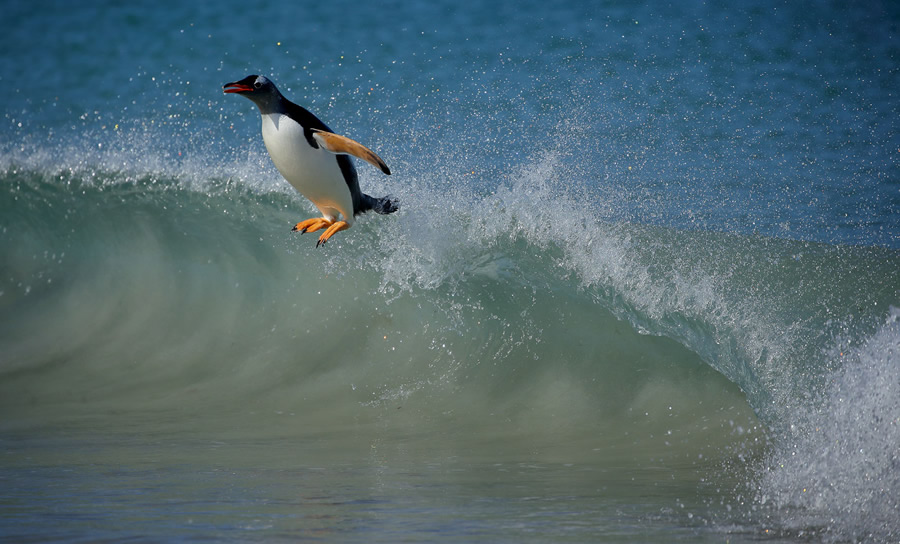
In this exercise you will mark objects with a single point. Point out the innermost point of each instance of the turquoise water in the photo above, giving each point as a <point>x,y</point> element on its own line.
<point>643,285</point>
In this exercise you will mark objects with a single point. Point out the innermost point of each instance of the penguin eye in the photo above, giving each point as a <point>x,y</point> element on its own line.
<point>257,84</point>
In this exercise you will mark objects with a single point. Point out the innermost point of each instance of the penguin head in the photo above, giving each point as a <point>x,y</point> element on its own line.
<point>258,89</point>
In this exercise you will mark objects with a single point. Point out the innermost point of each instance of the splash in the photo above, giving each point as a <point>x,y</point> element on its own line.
<point>836,473</point>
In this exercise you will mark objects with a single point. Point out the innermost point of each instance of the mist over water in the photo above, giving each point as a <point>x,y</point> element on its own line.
<point>642,286</point>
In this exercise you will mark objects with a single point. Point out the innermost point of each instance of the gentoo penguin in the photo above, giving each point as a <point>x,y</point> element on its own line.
<point>313,159</point>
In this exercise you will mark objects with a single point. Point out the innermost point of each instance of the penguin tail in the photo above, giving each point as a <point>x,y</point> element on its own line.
<point>382,206</point>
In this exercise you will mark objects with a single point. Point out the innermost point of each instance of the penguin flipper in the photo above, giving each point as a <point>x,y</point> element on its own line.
<point>343,145</point>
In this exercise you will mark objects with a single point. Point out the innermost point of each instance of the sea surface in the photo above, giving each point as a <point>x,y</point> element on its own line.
<point>643,286</point>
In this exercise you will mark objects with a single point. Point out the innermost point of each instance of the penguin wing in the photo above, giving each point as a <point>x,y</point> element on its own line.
<point>343,145</point>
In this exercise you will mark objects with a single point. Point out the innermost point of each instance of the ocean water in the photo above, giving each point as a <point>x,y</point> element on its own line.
<point>644,284</point>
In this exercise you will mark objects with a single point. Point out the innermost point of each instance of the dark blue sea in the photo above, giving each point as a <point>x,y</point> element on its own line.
<point>643,286</point>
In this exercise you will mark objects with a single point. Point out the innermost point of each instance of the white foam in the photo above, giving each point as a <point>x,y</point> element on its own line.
<point>838,469</point>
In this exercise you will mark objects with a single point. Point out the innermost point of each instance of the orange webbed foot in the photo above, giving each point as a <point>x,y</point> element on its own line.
<point>312,225</point>
<point>335,227</point>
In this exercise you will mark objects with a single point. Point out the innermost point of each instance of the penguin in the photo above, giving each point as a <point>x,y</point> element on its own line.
<point>313,159</point>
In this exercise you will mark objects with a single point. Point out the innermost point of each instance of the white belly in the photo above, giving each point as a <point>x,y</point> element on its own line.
<point>313,172</point>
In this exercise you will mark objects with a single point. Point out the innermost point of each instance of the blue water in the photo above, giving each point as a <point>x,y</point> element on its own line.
<point>643,285</point>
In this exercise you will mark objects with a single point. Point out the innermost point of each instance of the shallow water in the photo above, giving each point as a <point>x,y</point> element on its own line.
<point>340,487</point>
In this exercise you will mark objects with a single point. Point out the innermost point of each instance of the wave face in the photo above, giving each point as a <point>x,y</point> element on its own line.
<point>515,314</point>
